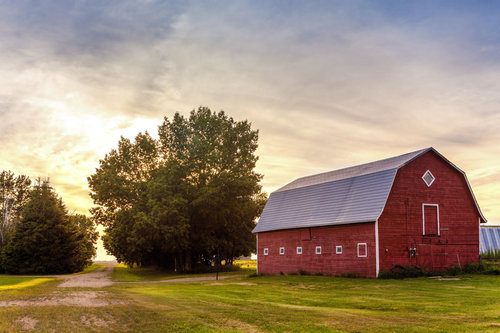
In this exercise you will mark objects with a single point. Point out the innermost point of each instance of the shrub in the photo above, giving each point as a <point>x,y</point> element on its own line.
<point>402,272</point>
<point>201,269</point>
<point>494,271</point>
<point>350,275</point>
<point>474,267</point>
<point>453,271</point>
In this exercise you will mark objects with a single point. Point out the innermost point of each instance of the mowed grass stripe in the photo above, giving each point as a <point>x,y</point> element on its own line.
<point>10,283</point>
<point>292,303</point>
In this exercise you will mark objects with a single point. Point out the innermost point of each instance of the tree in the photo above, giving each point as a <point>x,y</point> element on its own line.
<point>13,196</point>
<point>86,237</point>
<point>47,239</point>
<point>189,197</point>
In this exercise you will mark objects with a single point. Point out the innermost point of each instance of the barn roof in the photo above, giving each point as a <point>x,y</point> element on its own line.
<point>352,195</point>
<point>490,238</point>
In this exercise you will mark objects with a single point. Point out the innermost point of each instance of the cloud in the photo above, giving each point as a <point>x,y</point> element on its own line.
<point>328,84</point>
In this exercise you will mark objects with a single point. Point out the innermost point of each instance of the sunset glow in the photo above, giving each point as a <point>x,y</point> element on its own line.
<point>328,84</point>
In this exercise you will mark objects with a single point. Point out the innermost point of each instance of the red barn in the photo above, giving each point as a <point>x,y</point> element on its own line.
<point>416,209</point>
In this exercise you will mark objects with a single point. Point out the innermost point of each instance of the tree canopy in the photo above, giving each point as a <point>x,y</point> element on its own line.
<point>189,197</point>
<point>14,192</point>
<point>47,239</point>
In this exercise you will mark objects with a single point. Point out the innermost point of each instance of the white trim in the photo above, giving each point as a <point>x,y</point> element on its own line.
<point>424,151</point>
<point>318,248</point>
<point>466,180</point>
<point>299,250</point>
<point>377,255</point>
<point>257,261</point>
<point>479,234</point>
<point>338,249</point>
<point>366,250</point>
<point>265,251</point>
<point>423,218</point>
<point>282,251</point>
<point>433,178</point>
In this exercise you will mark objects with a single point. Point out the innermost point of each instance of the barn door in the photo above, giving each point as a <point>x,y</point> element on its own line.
<point>438,253</point>
<point>424,258</point>
<point>430,219</point>
<point>431,256</point>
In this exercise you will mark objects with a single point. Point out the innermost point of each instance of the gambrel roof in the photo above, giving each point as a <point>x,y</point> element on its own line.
<point>352,195</point>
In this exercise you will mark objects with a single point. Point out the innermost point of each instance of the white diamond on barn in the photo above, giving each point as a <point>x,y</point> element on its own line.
<point>428,178</point>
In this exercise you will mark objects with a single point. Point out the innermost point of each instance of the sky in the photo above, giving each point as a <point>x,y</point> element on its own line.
<point>328,84</point>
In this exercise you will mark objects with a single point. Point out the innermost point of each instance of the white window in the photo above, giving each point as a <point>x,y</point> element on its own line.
<point>282,251</point>
<point>318,249</point>
<point>266,251</point>
<point>299,249</point>
<point>428,178</point>
<point>338,249</point>
<point>430,219</point>
<point>362,250</point>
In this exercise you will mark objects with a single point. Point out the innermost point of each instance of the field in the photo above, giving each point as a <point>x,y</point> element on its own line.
<point>150,301</point>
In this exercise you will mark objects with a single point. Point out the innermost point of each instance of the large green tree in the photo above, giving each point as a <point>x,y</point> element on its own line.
<point>47,239</point>
<point>189,197</point>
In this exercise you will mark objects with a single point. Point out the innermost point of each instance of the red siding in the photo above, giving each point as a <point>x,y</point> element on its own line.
<point>401,225</point>
<point>327,262</point>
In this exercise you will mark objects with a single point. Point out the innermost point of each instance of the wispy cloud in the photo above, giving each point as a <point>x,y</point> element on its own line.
<point>328,84</point>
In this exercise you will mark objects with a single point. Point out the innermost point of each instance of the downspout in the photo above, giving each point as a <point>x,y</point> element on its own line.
<point>377,259</point>
<point>257,263</point>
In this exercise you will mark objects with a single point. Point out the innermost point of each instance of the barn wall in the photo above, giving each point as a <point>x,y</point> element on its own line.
<point>327,262</point>
<point>400,225</point>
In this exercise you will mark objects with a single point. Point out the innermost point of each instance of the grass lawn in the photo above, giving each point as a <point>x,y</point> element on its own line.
<point>240,303</point>
<point>94,266</point>
<point>324,304</point>
<point>123,273</point>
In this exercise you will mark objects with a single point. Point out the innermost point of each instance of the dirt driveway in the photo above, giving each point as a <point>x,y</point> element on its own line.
<point>73,290</point>
<point>97,279</point>
<point>85,298</point>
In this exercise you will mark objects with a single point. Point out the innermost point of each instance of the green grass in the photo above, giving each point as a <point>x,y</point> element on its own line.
<point>246,265</point>
<point>92,267</point>
<point>6,280</point>
<point>324,304</point>
<point>123,273</point>
<point>469,303</point>
<point>23,284</point>
<point>491,254</point>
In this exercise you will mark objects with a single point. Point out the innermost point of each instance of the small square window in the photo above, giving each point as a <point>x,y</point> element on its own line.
<point>338,249</point>
<point>282,251</point>
<point>428,178</point>
<point>362,250</point>
<point>299,249</point>
<point>318,249</point>
<point>266,251</point>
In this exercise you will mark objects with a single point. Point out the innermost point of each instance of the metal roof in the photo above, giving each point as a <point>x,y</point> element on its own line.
<point>354,171</point>
<point>352,195</point>
<point>490,238</point>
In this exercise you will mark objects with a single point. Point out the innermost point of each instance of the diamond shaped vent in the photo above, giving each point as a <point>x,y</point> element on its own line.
<point>428,178</point>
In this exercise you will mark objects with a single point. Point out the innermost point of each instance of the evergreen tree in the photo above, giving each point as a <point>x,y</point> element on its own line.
<point>47,240</point>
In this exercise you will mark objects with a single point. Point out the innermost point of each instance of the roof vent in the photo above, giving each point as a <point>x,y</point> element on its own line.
<point>428,178</point>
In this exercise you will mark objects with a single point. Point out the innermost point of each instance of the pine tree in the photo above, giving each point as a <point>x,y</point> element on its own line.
<point>47,240</point>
